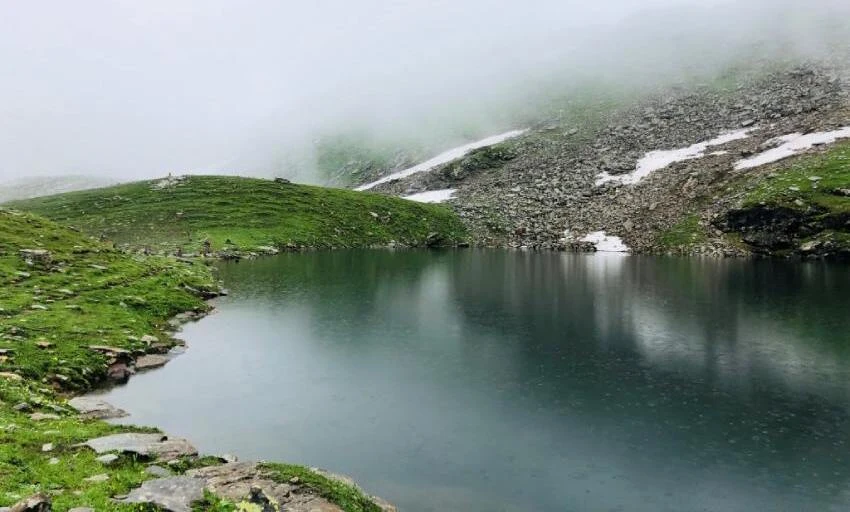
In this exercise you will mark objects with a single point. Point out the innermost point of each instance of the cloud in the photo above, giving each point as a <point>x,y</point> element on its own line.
<point>133,89</point>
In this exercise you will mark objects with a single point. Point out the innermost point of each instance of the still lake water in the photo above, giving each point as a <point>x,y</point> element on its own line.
<point>508,381</point>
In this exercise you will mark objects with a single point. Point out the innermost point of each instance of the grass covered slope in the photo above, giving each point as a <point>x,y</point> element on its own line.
<point>52,309</point>
<point>61,293</point>
<point>245,213</point>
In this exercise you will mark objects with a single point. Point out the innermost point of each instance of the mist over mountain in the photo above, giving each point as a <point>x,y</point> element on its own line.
<point>128,90</point>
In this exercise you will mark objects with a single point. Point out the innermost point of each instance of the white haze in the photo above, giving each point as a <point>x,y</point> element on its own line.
<point>128,89</point>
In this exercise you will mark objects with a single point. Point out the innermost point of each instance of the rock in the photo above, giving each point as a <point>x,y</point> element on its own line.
<point>157,471</point>
<point>53,461</point>
<point>37,503</point>
<point>38,307</point>
<point>47,447</point>
<point>175,494</point>
<point>10,376</point>
<point>294,480</point>
<point>44,344</point>
<point>81,509</point>
<point>257,497</point>
<point>810,246</point>
<point>23,274</point>
<point>842,192</point>
<point>148,339</point>
<point>747,123</point>
<point>90,407</point>
<point>150,361</point>
<point>119,373</point>
<point>228,458</point>
<point>282,181</point>
<point>156,446</point>
<point>98,267</point>
<point>107,459</point>
<point>32,256</point>
<point>96,479</point>
<point>110,350</point>
<point>22,407</point>
<point>41,416</point>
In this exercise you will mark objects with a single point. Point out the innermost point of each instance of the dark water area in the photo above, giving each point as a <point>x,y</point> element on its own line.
<point>510,381</point>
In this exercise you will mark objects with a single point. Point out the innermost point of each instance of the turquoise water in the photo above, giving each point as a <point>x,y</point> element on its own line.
<point>510,381</point>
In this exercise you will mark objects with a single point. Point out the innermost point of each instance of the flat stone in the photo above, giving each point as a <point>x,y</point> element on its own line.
<point>10,376</point>
<point>22,407</point>
<point>97,478</point>
<point>147,338</point>
<point>109,350</point>
<point>107,459</point>
<point>150,361</point>
<point>157,471</point>
<point>171,449</point>
<point>128,442</point>
<point>156,446</point>
<point>175,494</point>
<point>96,408</point>
<point>47,447</point>
<point>81,509</point>
<point>41,416</point>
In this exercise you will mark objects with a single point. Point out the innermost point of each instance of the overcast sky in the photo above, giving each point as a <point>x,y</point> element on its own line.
<point>131,89</point>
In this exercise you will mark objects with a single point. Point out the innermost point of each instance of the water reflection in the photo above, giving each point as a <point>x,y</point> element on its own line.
<point>489,380</point>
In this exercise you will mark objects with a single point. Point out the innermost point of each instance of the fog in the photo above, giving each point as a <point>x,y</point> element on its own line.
<point>125,89</point>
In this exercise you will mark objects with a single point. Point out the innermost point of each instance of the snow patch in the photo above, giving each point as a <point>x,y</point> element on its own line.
<point>433,196</point>
<point>790,145</point>
<point>656,160</point>
<point>444,158</point>
<point>605,243</point>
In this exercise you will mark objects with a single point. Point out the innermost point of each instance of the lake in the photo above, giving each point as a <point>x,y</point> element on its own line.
<point>484,380</point>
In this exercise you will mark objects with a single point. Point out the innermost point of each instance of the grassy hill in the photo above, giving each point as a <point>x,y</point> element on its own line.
<point>246,213</point>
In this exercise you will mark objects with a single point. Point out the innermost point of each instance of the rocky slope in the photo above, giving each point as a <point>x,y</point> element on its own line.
<point>546,190</point>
